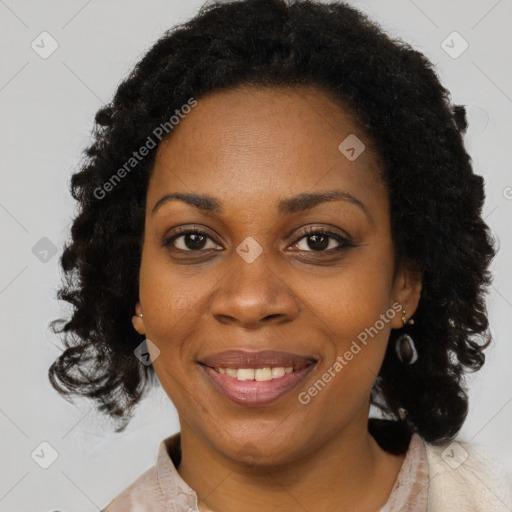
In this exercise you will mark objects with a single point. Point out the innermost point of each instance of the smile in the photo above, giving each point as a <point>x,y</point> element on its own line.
<point>258,374</point>
<point>251,387</point>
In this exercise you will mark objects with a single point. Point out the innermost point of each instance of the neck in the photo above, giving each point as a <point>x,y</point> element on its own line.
<point>348,472</point>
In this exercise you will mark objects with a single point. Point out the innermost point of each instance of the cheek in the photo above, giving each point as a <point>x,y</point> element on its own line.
<point>352,299</point>
<point>349,313</point>
<point>171,304</point>
<point>166,295</point>
<point>353,309</point>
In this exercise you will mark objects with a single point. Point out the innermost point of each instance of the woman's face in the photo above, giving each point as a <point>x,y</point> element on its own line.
<point>271,269</point>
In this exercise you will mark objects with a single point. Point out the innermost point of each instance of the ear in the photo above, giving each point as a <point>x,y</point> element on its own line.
<point>137,321</point>
<point>407,292</point>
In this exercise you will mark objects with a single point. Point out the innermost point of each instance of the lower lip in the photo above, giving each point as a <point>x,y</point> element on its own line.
<point>254,393</point>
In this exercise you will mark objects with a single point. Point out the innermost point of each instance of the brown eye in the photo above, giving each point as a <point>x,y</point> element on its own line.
<point>322,241</point>
<point>317,242</point>
<point>190,240</point>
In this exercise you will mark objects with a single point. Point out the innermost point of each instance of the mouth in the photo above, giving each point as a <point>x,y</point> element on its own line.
<point>256,378</point>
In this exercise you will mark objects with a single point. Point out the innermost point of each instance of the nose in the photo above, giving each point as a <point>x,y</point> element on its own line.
<point>252,295</point>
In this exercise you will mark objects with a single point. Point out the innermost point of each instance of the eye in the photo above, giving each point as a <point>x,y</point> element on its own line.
<point>190,240</point>
<point>321,240</point>
<point>312,240</point>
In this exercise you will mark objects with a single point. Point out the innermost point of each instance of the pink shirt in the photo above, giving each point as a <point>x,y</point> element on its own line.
<point>161,488</point>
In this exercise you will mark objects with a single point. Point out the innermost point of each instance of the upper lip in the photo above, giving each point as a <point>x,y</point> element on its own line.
<point>261,359</point>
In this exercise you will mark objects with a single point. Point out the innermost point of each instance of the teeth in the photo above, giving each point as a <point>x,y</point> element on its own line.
<point>263,374</point>
<point>278,372</point>
<point>245,374</point>
<point>258,374</point>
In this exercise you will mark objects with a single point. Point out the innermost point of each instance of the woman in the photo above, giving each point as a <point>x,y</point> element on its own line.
<point>279,199</point>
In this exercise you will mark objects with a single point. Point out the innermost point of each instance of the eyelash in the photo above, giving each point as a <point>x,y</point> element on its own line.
<point>310,231</point>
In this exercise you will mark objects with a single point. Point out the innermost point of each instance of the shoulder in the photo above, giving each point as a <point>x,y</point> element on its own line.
<point>160,488</point>
<point>465,476</point>
<point>143,495</point>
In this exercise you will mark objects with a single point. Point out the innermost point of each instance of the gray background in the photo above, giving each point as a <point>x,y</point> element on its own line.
<point>47,109</point>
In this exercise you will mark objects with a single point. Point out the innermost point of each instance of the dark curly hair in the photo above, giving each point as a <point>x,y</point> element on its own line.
<point>394,94</point>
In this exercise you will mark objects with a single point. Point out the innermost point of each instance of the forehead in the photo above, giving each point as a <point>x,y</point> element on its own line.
<point>254,144</point>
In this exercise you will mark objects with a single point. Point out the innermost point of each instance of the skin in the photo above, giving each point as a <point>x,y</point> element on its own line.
<point>249,148</point>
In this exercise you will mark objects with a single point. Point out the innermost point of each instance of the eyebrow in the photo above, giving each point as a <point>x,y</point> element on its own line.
<point>288,205</point>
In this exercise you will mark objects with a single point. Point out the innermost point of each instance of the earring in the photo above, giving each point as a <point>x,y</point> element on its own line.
<point>406,350</point>
<point>141,315</point>
<point>405,321</point>
<point>404,345</point>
